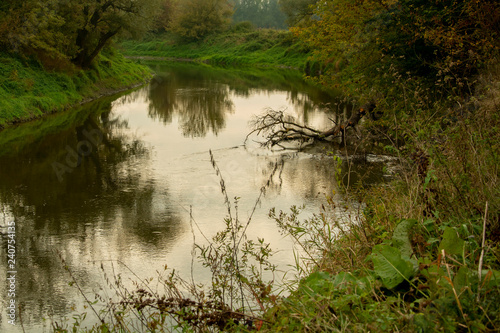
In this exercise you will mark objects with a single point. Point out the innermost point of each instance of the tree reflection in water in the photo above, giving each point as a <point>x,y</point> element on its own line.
<point>99,201</point>
<point>202,98</point>
<point>201,108</point>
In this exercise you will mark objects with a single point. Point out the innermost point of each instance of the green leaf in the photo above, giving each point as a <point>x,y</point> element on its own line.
<point>390,266</point>
<point>464,277</point>
<point>322,282</point>
<point>451,243</point>
<point>401,239</point>
<point>316,282</point>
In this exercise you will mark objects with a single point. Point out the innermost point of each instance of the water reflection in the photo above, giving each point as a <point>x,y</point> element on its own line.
<point>80,192</point>
<point>200,103</point>
<point>115,180</point>
<point>202,96</point>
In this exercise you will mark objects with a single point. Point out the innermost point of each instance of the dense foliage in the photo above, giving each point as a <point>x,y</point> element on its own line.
<point>194,19</point>
<point>298,12</point>
<point>59,32</point>
<point>443,40</point>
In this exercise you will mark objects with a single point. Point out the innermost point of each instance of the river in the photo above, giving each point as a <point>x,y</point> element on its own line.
<point>114,183</point>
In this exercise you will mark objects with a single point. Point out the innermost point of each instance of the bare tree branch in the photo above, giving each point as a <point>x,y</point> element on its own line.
<point>277,127</point>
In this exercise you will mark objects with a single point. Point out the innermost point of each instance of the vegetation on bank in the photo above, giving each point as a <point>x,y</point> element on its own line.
<point>422,254</point>
<point>425,255</point>
<point>28,90</point>
<point>53,52</point>
<point>242,45</point>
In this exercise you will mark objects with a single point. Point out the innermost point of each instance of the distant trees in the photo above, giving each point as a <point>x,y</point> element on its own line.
<point>165,16</point>
<point>261,13</point>
<point>443,41</point>
<point>76,31</point>
<point>194,19</point>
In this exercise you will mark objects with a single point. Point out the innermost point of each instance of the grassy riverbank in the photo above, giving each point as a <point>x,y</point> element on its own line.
<point>29,91</point>
<point>240,46</point>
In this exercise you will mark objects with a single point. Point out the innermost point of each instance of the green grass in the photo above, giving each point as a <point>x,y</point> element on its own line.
<point>263,47</point>
<point>29,91</point>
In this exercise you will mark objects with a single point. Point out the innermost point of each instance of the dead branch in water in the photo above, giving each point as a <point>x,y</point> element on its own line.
<point>277,127</point>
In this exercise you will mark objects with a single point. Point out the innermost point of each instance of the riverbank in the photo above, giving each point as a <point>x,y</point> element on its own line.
<point>240,46</point>
<point>29,91</point>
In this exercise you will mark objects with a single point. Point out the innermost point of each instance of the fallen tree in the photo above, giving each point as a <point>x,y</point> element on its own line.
<point>278,127</point>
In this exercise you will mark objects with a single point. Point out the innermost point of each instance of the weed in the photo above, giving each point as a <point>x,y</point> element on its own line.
<point>241,289</point>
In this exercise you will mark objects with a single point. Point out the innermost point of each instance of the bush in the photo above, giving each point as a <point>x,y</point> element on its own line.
<point>245,26</point>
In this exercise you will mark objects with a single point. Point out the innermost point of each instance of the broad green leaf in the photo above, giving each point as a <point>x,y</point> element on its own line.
<point>321,282</point>
<point>316,282</point>
<point>401,241</point>
<point>346,279</point>
<point>390,266</point>
<point>463,278</point>
<point>400,237</point>
<point>451,243</point>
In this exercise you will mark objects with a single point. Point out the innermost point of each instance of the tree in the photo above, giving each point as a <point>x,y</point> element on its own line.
<point>343,37</point>
<point>163,19</point>
<point>453,37</point>
<point>448,39</point>
<point>297,11</point>
<point>261,13</point>
<point>101,20</point>
<point>32,27</point>
<point>71,30</point>
<point>279,127</point>
<point>194,19</point>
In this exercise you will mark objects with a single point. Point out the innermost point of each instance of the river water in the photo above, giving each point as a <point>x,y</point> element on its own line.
<point>113,183</point>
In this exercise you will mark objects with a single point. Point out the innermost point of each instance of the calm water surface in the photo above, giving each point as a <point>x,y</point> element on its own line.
<point>112,183</point>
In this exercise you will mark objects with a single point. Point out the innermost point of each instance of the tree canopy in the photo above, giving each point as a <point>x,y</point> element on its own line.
<point>297,11</point>
<point>194,19</point>
<point>450,39</point>
<point>261,13</point>
<point>76,31</point>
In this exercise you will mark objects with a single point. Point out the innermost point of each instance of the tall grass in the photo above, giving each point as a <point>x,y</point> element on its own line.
<point>262,47</point>
<point>241,289</point>
<point>29,90</point>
